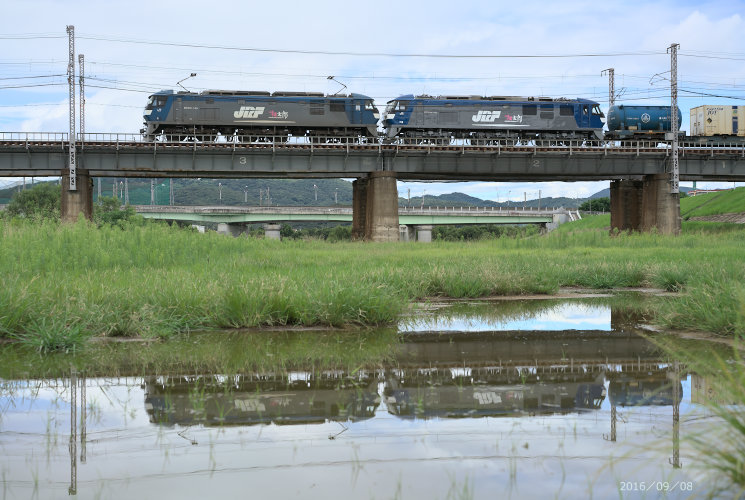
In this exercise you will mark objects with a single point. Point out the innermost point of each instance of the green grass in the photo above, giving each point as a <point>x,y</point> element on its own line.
<point>723,202</point>
<point>216,352</point>
<point>586,223</point>
<point>154,281</point>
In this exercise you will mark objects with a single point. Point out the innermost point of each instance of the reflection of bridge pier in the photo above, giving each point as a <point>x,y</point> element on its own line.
<point>73,443</point>
<point>677,397</point>
<point>651,385</point>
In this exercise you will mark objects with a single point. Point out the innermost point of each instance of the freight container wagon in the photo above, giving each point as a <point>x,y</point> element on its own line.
<point>717,121</point>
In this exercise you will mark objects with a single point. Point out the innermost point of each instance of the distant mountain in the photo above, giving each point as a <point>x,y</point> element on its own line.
<point>284,192</point>
<point>289,192</point>
<point>464,200</point>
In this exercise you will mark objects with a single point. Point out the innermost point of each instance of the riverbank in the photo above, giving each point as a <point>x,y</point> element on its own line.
<point>64,283</point>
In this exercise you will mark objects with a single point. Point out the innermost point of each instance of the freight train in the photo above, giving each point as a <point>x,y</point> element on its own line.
<point>263,116</point>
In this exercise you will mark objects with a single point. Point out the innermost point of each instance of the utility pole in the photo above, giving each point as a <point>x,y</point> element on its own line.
<point>71,86</point>
<point>674,174</point>
<point>152,191</point>
<point>611,86</point>
<point>81,64</point>
<point>126,191</point>
<point>171,201</point>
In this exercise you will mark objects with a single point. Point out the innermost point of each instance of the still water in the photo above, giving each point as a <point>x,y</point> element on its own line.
<point>509,399</point>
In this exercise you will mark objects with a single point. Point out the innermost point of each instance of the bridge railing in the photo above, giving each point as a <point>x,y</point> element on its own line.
<point>480,210</point>
<point>44,137</point>
<point>514,145</point>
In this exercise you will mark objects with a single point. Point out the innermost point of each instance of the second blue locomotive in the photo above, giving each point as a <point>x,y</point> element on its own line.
<point>477,117</point>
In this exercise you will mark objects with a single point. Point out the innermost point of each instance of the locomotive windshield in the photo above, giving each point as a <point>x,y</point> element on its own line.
<point>155,101</point>
<point>597,111</point>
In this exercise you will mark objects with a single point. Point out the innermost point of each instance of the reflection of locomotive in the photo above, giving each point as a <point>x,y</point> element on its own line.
<point>655,390</point>
<point>259,114</point>
<point>442,395</point>
<point>250,400</point>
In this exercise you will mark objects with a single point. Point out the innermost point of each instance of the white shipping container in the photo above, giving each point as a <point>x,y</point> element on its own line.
<point>711,120</point>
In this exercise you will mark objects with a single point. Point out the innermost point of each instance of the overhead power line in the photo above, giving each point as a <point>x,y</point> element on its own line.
<point>31,77</point>
<point>712,56</point>
<point>706,94</point>
<point>32,85</point>
<point>362,54</point>
<point>31,36</point>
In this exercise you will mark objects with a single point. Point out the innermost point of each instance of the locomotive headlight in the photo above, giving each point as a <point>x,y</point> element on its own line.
<point>390,116</point>
<point>602,119</point>
<point>148,112</point>
<point>376,115</point>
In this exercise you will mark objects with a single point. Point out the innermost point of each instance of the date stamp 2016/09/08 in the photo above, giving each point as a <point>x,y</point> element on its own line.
<point>655,486</point>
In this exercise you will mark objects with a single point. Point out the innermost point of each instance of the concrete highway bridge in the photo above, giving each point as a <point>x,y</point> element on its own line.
<point>639,171</point>
<point>414,223</point>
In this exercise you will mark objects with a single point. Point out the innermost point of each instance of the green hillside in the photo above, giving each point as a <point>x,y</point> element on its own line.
<point>721,202</point>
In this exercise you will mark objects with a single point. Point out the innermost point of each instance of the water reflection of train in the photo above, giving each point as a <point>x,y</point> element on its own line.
<point>454,393</point>
<point>288,398</point>
<point>646,389</point>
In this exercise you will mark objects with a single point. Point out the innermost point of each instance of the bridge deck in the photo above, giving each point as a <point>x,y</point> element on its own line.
<point>127,155</point>
<point>407,215</point>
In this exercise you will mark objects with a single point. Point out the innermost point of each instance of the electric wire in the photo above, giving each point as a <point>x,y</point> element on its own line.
<point>362,54</point>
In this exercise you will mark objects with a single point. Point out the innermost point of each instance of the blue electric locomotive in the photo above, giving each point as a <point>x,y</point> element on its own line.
<point>259,114</point>
<point>475,117</point>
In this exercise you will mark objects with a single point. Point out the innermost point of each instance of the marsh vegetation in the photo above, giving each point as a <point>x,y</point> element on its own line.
<point>63,283</point>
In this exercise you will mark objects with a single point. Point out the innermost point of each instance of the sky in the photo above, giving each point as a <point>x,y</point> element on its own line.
<point>134,48</point>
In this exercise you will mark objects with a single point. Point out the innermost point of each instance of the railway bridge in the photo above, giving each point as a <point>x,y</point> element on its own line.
<point>641,197</point>
<point>414,223</point>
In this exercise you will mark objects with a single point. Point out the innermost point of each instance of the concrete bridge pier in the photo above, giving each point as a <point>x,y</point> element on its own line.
<point>660,207</point>
<point>359,205</point>
<point>375,207</point>
<point>234,230</point>
<point>625,205</point>
<point>271,231</point>
<point>424,233</point>
<point>406,233</point>
<point>74,203</point>
<point>645,205</point>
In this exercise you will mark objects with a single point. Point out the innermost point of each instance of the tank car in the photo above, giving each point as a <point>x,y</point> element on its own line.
<point>488,118</point>
<point>259,114</point>
<point>639,122</point>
